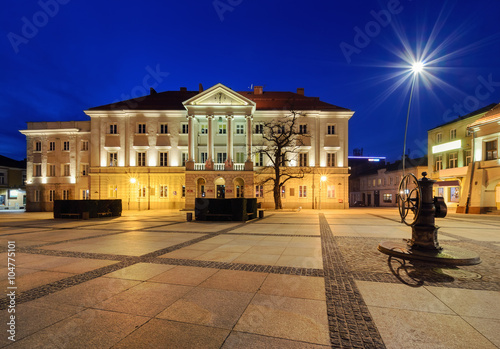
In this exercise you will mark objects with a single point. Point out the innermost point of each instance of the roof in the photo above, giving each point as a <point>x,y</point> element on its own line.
<point>268,100</point>
<point>472,114</point>
<point>8,162</point>
<point>491,116</point>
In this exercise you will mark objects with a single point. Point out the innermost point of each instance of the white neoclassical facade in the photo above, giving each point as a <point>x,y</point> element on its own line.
<point>165,149</point>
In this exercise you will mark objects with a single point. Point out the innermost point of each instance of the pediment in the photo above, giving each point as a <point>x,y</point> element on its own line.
<point>219,95</point>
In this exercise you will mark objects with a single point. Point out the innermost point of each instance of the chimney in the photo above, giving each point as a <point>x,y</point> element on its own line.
<point>257,90</point>
<point>300,91</point>
<point>184,89</point>
<point>200,88</point>
<point>152,91</point>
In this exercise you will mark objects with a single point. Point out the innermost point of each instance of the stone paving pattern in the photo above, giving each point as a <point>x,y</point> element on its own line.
<point>303,279</point>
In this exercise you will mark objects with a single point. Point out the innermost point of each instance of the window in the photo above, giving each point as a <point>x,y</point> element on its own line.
<point>239,191</point>
<point>163,191</point>
<point>141,159</point>
<point>330,159</point>
<point>163,159</point>
<point>163,129</point>
<point>453,134</point>
<point>204,129</point>
<point>379,181</point>
<point>113,129</point>
<point>240,157</point>
<point>453,160</point>
<point>303,129</point>
<point>468,157</point>
<point>439,138</point>
<point>259,159</point>
<point>259,129</point>
<point>221,158</point>
<point>113,159</point>
<point>36,195</point>
<point>283,191</point>
<point>438,163</point>
<point>302,191</point>
<point>85,194</point>
<point>330,130</point>
<point>66,145</point>
<point>374,182</point>
<point>222,129</point>
<point>259,191</point>
<point>184,159</point>
<point>51,170</point>
<point>52,146</point>
<point>85,146</point>
<point>141,128</point>
<point>240,129</point>
<point>2,178</point>
<point>66,170</point>
<point>112,191</point>
<point>204,157</point>
<point>491,150</point>
<point>37,170</point>
<point>303,159</point>
<point>38,146</point>
<point>390,180</point>
<point>142,192</point>
<point>279,129</point>
<point>52,195</point>
<point>84,168</point>
<point>65,194</point>
<point>387,197</point>
<point>183,191</point>
<point>330,191</point>
<point>184,128</point>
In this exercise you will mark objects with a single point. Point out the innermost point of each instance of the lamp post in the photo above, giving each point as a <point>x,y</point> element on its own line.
<point>323,179</point>
<point>416,68</point>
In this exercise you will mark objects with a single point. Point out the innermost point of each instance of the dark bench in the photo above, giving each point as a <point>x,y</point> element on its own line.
<point>70,215</point>
<point>104,214</point>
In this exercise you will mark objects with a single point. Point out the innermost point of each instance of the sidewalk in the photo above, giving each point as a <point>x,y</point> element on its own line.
<point>308,279</point>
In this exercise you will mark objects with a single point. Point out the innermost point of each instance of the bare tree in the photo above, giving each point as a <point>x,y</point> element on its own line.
<point>281,141</point>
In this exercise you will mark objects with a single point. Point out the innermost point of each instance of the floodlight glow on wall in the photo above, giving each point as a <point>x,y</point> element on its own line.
<point>447,146</point>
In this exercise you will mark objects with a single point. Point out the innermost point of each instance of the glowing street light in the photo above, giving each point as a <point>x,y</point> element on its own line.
<point>417,67</point>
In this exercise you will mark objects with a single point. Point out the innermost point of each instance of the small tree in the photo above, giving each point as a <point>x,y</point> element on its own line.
<point>281,140</point>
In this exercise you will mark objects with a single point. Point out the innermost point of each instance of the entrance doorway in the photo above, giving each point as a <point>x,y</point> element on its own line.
<point>220,188</point>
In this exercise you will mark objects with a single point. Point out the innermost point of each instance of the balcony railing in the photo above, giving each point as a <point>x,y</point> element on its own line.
<point>200,166</point>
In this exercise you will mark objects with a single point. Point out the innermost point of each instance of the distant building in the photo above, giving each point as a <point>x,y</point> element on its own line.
<point>378,187</point>
<point>165,149</point>
<point>358,166</point>
<point>12,183</point>
<point>450,149</point>
<point>481,186</point>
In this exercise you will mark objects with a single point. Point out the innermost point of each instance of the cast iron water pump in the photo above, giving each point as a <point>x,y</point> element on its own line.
<point>418,209</point>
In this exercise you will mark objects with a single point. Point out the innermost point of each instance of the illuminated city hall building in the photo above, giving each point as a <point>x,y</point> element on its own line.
<point>163,150</point>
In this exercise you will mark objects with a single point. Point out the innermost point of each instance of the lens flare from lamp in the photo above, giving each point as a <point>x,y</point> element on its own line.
<point>132,180</point>
<point>417,67</point>
<point>323,178</point>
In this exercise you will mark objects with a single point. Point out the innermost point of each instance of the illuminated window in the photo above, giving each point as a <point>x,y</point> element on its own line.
<point>183,191</point>
<point>302,191</point>
<point>467,157</point>
<point>453,160</point>
<point>240,157</point>
<point>141,128</point>
<point>85,194</point>
<point>387,197</point>
<point>259,191</point>
<point>163,191</point>
<point>438,162</point>
<point>204,129</point>
<point>330,159</point>
<point>491,150</point>
<point>222,129</point>
<point>259,159</point>
<point>113,159</point>
<point>142,192</point>
<point>330,191</point>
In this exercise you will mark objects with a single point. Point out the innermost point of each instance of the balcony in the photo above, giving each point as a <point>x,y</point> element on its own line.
<point>453,172</point>
<point>200,166</point>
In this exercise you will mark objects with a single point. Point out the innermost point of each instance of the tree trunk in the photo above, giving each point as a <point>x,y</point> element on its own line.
<point>277,197</point>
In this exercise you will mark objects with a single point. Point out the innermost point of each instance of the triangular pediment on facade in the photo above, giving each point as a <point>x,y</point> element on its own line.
<point>219,97</point>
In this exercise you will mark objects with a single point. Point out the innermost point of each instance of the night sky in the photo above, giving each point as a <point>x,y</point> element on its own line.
<point>60,57</point>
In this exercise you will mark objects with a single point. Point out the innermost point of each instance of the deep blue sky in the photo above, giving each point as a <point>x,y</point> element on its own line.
<point>58,61</point>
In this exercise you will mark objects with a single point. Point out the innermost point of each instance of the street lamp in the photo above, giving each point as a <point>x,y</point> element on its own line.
<point>416,68</point>
<point>322,179</point>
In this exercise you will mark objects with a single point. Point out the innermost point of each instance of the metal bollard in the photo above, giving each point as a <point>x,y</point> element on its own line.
<point>189,216</point>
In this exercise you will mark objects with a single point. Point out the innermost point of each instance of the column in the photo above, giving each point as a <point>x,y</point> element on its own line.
<point>190,162</point>
<point>209,165</point>
<point>229,162</point>
<point>248,162</point>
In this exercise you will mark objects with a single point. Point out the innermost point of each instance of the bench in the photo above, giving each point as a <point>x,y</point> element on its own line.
<point>104,214</point>
<point>70,215</point>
